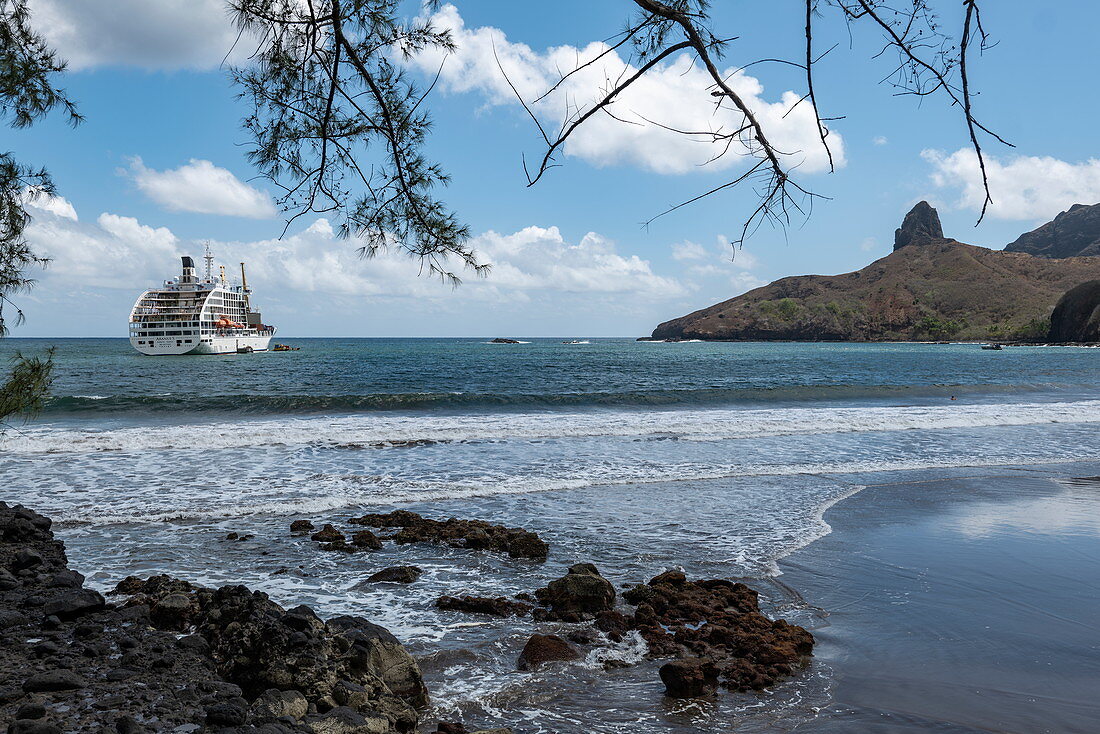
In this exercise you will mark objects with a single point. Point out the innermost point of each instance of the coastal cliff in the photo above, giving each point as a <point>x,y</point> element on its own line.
<point>929,288</point>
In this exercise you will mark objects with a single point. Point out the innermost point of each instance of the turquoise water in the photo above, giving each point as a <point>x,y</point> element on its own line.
<point>717,457</point>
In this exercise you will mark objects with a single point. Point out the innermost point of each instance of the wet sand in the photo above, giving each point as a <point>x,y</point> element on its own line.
<point>959,605</point>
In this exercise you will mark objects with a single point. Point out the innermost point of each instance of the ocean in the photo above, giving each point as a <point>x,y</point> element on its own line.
<point>720,458</point>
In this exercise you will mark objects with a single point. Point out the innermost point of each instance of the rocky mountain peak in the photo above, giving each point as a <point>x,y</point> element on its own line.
<point>1073,233</point>
<point>920,226</point>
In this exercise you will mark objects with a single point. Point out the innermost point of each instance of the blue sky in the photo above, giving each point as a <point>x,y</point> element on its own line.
<point>160,165</point>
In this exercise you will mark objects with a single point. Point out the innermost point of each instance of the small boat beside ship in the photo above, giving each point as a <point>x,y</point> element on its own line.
<point>189,315</point>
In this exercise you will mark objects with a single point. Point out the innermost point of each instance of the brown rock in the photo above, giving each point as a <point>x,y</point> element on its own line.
<point>544,649</point>
<point>301,526</point>
<point>580,593</point>
<point>496,606</point>
<point>327,534</point>
<point>690,677</point>
<point>366,539</point>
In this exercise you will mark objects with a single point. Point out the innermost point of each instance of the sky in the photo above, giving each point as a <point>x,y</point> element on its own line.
<point>160,166</point>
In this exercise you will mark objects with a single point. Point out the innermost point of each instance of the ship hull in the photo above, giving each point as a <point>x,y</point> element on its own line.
<point>214,345</point>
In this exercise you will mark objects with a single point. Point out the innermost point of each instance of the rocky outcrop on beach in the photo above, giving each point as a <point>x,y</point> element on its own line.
<point>716,620</point>
<point>173,656</point>
<point>1073,233</point>
<point>472,534</point>
<point>929,288</point>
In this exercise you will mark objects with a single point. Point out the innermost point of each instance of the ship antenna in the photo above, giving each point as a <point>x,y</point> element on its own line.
<point>209,257</point>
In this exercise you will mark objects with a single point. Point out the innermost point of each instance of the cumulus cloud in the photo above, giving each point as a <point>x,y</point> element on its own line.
<point>56,205</point>
<point>719,268</point>
<point>880,140</point>
<point>121,252</point>
<point>163,34</point>
<point>1024,187</point>
<point>201,187</point>
<point>675,94</point>
<point>688,250</point>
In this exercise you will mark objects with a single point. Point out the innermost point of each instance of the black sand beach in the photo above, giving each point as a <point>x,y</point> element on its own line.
<point>960,605</point>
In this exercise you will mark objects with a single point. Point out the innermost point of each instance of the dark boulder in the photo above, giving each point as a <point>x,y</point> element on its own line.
<point>498,606</point>
<point>1076,317</point>
<point>32,726</point>
<point>327,534</point>
<point>73,604</point>
<point>920,227</point>
<point>394,575</point>
<point>54,680</point>
<point>542,649</point>
<point>366,539</point>
<point>690,677</point>
<point>301,526</point>
<point>581,592</point>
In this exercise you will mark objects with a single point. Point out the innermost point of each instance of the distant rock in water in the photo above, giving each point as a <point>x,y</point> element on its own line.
<point>1076,318</point>
<point>502,340</point>
<point>1073,233</point>
<point>920,226</point>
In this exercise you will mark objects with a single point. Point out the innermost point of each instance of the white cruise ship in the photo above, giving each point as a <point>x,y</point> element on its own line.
<point>191,316</point>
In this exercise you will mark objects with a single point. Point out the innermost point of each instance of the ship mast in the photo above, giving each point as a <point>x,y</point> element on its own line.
<point>244,289</point>
<point>209,258</point>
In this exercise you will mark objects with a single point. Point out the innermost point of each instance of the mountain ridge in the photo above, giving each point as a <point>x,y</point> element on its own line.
<point>928,288</point>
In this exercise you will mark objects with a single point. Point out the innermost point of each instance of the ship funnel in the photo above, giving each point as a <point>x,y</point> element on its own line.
<point>188,270</point>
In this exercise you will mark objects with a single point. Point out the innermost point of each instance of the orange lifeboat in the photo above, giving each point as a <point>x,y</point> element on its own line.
<point>224,322</point>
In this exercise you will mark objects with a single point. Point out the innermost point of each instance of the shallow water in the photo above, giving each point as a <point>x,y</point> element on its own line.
<point>718,458</point>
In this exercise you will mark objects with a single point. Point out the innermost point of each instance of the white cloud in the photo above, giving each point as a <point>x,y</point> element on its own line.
<point>675,94</point>
<point>1024,187</point>
<point>56,205</point>
<point>880,140</point>
<point>688,250</point>
<point>868,244</point>
<point>151,34</point>
<point>201,187</point>
<point>120,252</point>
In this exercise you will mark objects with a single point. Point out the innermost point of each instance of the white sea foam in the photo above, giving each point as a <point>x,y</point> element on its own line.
<point>338,491</point>
<point>372,430</point>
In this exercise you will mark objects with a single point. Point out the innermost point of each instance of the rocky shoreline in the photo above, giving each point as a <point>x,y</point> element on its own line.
<point>162,654</point>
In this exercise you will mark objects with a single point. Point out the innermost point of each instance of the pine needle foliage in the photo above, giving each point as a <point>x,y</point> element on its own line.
<point>27,93</point>
<point>340,128</point>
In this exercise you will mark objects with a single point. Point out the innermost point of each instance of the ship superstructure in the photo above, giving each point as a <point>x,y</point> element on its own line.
<point>189,315</point>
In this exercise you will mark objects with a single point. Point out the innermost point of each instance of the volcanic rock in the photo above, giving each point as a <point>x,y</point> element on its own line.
<point>327,534</point>
<point>690,677</point>
<point>502,340</point>
<point>544,649</point>
<point>497,606</point>
<point>715,619</point>
<point>301,526</point>
<point>579,594</point>
<point>394,575</point>
<point>366,539</point>
<point>472,534</point>
<point>249,663</point>
<point>72,604</point>
<point>54,680</point>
